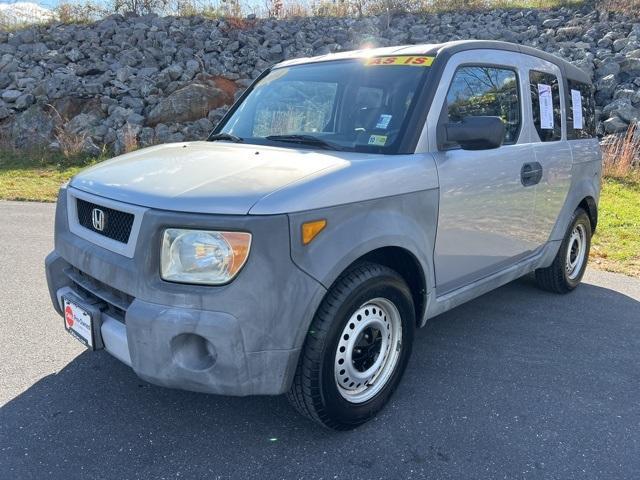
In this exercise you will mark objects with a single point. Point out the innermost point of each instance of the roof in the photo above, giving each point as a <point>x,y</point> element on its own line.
<point>447,49</point>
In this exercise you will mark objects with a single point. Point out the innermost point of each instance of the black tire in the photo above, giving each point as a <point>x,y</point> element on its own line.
<point>556,278</point>
<point>314,392</point>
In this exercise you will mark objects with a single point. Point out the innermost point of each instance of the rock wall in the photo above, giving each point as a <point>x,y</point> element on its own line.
<point>144,80</point>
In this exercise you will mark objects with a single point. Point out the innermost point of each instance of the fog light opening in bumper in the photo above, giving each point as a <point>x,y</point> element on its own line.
<point>193,352</point>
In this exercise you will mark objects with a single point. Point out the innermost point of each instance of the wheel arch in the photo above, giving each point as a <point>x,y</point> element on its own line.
<point>583,192</point>
<point>407,266</point>
<point>589,205</point>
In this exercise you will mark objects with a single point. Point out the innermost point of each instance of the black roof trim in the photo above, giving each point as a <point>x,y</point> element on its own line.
<point>568,70</point>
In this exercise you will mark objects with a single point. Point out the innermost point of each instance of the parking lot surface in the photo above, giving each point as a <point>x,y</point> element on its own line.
<point>516,384</point>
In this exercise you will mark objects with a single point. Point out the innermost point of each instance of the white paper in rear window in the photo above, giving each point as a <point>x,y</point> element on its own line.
<point>576,106</point>
<point>546,106</point>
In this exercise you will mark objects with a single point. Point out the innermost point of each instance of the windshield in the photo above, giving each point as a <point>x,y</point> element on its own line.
<point>355,105</point>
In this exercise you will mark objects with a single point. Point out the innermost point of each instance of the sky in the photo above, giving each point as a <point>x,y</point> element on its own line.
<point>54,3</point>
<point>44,3</point>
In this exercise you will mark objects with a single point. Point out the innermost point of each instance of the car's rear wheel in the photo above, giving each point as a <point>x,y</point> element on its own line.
<point>357,348</point>
<point>570,263</point>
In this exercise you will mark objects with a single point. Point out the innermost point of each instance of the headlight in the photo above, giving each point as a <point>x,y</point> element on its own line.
<point>203,257</point>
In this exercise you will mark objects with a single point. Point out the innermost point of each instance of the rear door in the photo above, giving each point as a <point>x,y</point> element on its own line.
<point>486,213</point>
<point>549,142</point>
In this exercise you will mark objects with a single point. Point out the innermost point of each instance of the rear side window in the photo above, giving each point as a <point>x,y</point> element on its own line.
<point>486,91</point>
<point>545,99</point>
<point>581,111</point>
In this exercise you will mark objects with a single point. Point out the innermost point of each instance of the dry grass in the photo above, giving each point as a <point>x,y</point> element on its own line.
<point>129,140</point>
<point>80,12</point>
<point>71,144</point>
<point>377,7</point>
<point>466,5</point>
<point>621,154</point>
<point>627,7</point>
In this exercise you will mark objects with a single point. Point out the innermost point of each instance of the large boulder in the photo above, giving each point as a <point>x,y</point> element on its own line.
<point>4,111</point>
<point>569,32</point>
<point>33,128</point>
<point>630,66</point>
<point>552,23</point>
<point>615,125</point>
<point>608,67</point>
<point>623,108</point>
<point>605,88</point>
<point>11,96</point>
<point>24,101</point>
<point>189,104</point>
<point>82,122</point>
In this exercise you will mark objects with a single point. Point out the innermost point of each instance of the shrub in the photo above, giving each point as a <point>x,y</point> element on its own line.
<point>141,7</point>
<point>86,12</point>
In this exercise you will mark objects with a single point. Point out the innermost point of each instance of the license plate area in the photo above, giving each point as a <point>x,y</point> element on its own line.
<point>79,322</point>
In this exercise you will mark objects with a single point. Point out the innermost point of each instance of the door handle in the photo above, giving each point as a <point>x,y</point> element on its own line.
<point>530,174</point>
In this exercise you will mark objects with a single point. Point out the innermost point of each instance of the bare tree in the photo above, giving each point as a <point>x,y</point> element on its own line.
<point>141,7</point>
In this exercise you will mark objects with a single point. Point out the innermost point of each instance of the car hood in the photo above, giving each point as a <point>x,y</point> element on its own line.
<point>203,177</point>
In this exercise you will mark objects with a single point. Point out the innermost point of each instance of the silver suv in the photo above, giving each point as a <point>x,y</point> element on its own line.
<point>340,204</point>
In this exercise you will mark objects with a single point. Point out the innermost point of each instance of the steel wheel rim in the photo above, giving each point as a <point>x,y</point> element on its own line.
<point>368,350</point>
<point>576,251</point>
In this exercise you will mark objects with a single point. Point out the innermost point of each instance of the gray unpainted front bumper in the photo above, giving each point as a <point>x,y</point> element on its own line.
<point>253,328</point>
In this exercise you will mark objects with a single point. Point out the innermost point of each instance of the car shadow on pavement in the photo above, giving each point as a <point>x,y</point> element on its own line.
<point>516,378</point>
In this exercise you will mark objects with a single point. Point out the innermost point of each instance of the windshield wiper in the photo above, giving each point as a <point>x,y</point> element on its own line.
<point>304,140</point>
<point>225,136</point>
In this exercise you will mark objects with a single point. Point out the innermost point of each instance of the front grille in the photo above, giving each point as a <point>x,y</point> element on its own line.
<point>115,301</point>
<point>117,224</point>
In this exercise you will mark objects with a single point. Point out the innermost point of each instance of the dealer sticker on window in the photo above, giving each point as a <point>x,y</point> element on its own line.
<point>378,140</point>
<point>406,60</point>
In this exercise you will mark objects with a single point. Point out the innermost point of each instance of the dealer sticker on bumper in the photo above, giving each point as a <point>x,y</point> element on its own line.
<point>77,322</point>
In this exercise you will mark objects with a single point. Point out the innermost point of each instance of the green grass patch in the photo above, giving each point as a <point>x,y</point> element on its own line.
<point>616,245</point>
<point>37,176</point>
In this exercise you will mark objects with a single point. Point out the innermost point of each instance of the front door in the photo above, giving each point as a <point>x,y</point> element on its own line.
<point>486,216</point>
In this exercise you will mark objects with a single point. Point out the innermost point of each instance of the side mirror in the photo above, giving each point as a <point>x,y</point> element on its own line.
<point>476,133</point>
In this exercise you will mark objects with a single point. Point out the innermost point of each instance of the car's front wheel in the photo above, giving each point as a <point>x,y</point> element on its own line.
<point>570,263</point>
<point>357,348</point>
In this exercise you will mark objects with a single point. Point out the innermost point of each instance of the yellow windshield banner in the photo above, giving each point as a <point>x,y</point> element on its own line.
<point>407,60</point>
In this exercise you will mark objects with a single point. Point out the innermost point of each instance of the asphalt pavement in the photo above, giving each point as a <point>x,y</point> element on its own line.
<point>516,384</point>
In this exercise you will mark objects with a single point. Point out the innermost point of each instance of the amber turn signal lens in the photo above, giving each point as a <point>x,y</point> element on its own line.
<point>311,229</point>
<point>239,243</point>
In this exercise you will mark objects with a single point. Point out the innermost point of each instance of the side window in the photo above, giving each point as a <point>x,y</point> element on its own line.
<point>581,111</point>
<point>485,91</point>
<point>545,99</point>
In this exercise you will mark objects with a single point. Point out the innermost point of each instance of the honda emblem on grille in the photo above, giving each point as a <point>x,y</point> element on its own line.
<point>99,219</point>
